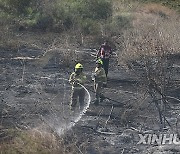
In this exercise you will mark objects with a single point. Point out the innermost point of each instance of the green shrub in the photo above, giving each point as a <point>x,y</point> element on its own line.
<point>17,6</point>
<point>72,14</point>
<point>88,26</point>
<point>118,24</point>
<point>83,14</point>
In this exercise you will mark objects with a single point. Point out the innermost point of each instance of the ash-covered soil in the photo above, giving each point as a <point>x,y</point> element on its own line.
<point>33,93</point>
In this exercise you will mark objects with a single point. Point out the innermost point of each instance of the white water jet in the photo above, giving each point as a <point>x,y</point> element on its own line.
<point>65,126</point>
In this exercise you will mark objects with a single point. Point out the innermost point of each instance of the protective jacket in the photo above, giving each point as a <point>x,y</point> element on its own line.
<point>100,75</point>
<point>76,79</point>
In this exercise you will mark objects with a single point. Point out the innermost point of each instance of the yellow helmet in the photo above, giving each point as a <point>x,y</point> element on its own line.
<point>99,61</point>
<point>78,66</point>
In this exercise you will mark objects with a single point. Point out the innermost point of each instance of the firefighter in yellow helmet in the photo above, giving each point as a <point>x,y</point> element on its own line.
<point>100,81</point>
<point>77,78</point>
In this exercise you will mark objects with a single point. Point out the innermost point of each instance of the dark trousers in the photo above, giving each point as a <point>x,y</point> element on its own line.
<point>106,65</point>
<point>77,95</point>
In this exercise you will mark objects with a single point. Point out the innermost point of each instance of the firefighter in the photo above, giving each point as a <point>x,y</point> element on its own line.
<point>104,53</point>
<point>77,78</point>
<point>100,81</point>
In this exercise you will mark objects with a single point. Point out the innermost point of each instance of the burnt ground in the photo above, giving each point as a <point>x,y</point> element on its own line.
<point>32,94</point>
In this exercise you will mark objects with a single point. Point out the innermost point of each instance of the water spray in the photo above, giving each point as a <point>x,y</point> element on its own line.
<point>66,126</point>
<point>60,131</point>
